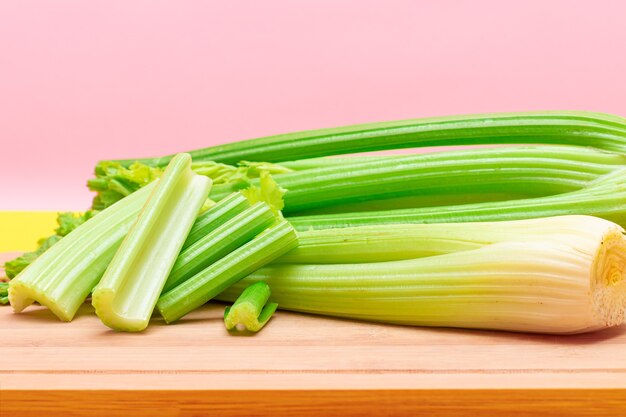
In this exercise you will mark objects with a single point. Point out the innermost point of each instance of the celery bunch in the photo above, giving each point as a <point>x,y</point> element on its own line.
<point>389,238</point>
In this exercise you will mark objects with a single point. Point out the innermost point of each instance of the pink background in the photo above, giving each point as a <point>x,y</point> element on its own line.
<point>82,81</point>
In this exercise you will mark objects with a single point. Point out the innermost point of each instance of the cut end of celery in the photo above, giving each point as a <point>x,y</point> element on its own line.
<point>247,315</point>
<point>104,301</point>
<point>608,279</point>
<point>22,295</point>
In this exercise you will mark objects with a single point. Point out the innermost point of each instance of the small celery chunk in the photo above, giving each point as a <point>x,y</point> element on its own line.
<point>250,309</point>
<point>125,297</point>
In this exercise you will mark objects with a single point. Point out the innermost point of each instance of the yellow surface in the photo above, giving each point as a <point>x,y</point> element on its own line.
<point>20,230</point>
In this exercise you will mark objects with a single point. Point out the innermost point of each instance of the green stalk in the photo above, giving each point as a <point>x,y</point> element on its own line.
<point>563,277</point>
<point>605,197</point>
<point>250,310</point>
<point>544,169</point>
<point>557,127</point>
<point>197,290</point>
<point>64,275</point>
<point>125,297</point>
<point>392,242</point>
<point>223,211</point>
<point>328,162</point>
<point>220,242</point>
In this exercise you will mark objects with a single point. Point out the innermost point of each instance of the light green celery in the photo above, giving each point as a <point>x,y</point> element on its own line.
<point>197,290</point>
<point>604,197</point>
<point>220,242</point>
<point>546,170</point>
<point>335,161</point>
<point>64,275</point>
<point>250,310</point>
<point>569,278</point>
<point>125,297</point>
<point>225,210</point>
<point>597,130</point>
<point>391,242</point>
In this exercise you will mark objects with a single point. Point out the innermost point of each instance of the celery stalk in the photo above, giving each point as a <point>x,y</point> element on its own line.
<point>125,297</point>
<point>220,242</point>
<point>604,197</point>
<point>567,275</point>
<point>392,242</point>
<point>63,276</point>
<point>599,130</point>
<point>211,281</point>
<point>250,310</point>
<point>225,210</point>
<point>540,170</point>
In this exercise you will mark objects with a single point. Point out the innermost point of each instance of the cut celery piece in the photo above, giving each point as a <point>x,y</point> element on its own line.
<point>125,297</point>
<point>220,242</point>
<point>211,281</point>
<point>250,309</point>
<point>63,276</point>
<point>221,212</point>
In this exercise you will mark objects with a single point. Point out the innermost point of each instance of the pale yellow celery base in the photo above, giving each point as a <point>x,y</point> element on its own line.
<point>608,281</point>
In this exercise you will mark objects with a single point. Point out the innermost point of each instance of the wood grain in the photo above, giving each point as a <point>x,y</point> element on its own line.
<point>301,365</point>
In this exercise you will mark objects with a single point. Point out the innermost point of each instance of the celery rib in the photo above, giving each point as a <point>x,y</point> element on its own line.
<point>125,297</point>
<point>543,170</point>
<point>220,242</point>
<point>214,279</point>
<point>598,130</point>
<point>603,197</point>
<point>63,276</point>
<point>225,210</point>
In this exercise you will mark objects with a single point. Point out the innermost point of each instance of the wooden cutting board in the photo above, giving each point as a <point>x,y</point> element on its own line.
<point>301,365</point>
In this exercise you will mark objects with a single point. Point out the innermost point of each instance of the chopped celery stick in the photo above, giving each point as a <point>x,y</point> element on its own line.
<point>220,242</point>
<point>225,210</point>
<point>64,275</point>
<point>211,281</point>
<point>250,310</point>
<point>125,297</point>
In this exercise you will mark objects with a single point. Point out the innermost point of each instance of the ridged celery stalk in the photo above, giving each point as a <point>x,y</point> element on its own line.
<point>569,278</point>
<point>392,242</point>
<point>225,210</point>
<point>250,310</point>
<point>197,290</point>
<point>535,171</point>
<point>125,297</point>
<point>63,276</point>
<point>604,197</point>
<point>220,242</point>
<point>599,130</point>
